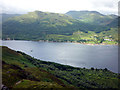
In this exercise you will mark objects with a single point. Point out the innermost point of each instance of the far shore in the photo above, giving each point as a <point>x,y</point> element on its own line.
<point>66,42</point>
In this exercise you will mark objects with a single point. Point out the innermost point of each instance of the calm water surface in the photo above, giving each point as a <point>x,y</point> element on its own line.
<point>78,55</point>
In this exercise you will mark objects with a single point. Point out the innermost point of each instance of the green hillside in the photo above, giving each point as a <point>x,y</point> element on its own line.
<point>93,17</point>
<point>36,25</point>
<point>21,71</point>
<point>90,37</point>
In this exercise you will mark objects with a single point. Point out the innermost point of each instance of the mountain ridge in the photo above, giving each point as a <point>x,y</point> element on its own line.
<point>92,17</point>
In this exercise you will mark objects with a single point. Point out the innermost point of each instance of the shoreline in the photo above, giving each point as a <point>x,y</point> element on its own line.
<point>64,42</point>
<point>78,43</point>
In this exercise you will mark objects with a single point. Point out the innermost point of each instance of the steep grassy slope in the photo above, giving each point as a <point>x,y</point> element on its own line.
<point>20,72</point>
<point>93,17</point>
<point>36,25</point>
<point>23,71</point>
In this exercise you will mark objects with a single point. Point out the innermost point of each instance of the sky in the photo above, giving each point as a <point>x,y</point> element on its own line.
<point>58,6</point>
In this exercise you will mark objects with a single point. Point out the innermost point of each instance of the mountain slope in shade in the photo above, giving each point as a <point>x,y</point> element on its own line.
<point>115,23</point>
<point>7,16</point>
<point>93,17</point>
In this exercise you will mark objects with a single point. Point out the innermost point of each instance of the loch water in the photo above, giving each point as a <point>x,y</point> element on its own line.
<point>74,54</point>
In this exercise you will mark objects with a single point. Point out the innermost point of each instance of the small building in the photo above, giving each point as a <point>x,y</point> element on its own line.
<point>7,38</point>
<point>107,39</point>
